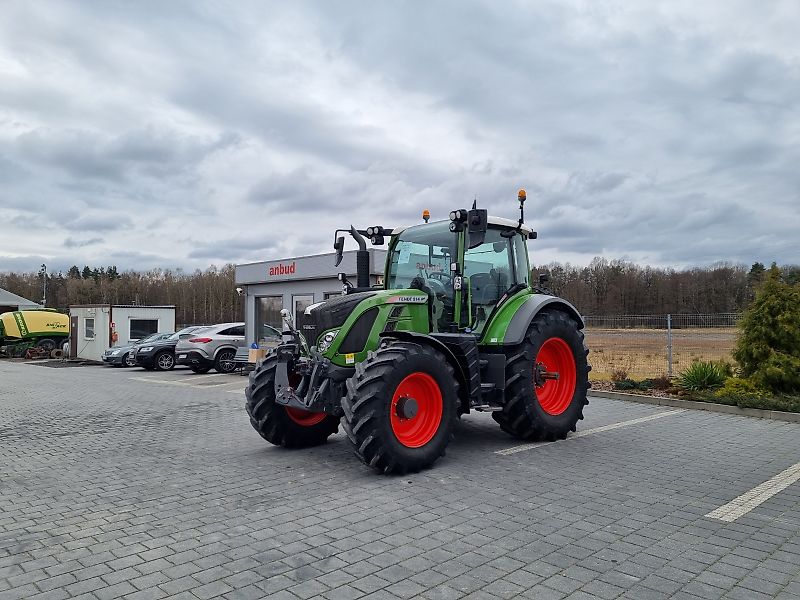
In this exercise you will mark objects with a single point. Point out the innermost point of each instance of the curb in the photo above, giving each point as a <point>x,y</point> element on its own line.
<point>774,415</point>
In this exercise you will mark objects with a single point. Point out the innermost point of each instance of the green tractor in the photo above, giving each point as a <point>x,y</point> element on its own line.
<point>457,326</point>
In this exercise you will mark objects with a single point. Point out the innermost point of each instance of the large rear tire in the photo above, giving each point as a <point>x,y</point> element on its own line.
<point>400,407</point>
<point>46,344</point>
<point>279,425</point>
<point>538,405</point>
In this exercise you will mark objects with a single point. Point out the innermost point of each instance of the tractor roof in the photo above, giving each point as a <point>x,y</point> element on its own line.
<point>500,221</point>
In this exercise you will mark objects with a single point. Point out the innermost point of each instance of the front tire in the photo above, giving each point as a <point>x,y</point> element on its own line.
<point>401,407</point>
<point>280,425</point>
<point>538,405</point>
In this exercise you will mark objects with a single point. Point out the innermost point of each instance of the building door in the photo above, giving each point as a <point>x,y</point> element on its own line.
<point>73,337</point>
<point>268,317</point>
<point>301,303</point>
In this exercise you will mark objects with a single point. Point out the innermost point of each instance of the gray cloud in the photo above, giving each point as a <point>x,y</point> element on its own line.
<point>189,132</point>
<point>73,243</point>
<point>98,222</point>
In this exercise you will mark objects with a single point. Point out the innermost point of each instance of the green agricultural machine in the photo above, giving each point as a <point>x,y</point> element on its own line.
<point>458,326</point>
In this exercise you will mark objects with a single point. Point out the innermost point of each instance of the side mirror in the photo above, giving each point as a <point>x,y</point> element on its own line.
<point>477,224</point>
<point>338,245</point>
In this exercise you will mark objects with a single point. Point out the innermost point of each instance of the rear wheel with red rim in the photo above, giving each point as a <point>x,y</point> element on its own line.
<point>400,407</point>
<point>554,376</point>
<point>547,379</point>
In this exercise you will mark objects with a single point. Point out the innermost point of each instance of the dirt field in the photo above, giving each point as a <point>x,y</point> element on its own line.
<point>642,353</point>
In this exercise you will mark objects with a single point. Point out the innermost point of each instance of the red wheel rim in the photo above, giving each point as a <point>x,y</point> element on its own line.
<point>555,395</point>
<point>418,430</point>
<point>304,417</point>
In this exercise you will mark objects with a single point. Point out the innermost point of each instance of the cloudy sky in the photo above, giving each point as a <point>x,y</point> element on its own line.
<point>184,134</point>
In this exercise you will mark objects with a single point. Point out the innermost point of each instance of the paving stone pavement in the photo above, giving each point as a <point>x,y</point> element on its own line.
<point>118,483</point>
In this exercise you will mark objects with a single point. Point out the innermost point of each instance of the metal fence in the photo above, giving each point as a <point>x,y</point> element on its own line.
<point>647,346</point>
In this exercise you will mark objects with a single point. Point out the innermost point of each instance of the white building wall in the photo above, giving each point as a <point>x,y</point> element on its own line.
<point>122,316</point>
<point>92,348</point>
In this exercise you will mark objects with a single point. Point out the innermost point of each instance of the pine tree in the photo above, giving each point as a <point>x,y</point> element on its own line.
<point>768,347</point>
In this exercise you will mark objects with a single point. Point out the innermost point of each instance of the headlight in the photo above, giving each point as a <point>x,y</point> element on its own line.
<point>326,340</point>
<point>114,352</point>
<point>146,349</point>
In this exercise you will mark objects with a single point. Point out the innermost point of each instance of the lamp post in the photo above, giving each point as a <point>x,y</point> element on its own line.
<point>43,273</point>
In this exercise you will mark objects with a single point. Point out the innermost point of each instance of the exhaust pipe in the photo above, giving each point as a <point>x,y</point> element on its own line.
<point>362,259</point>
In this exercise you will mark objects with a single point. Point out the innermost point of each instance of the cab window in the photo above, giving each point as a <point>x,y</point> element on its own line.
<point>491,269</point>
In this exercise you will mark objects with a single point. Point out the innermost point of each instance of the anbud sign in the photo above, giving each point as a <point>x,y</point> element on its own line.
<point>282,269</point>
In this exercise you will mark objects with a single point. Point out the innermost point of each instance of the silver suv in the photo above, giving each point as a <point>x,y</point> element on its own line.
<point>213,346</point>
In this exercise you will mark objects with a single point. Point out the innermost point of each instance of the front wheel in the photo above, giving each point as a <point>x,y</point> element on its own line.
<point>547,378</point>
<point>281,425</point>
<point>400,408</point>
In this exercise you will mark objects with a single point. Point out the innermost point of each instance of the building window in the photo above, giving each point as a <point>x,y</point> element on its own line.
<point>141,328</point>
<point>268,317</point>
<point>88,328</point>
<point>329,295</point>
<point>301,303</point>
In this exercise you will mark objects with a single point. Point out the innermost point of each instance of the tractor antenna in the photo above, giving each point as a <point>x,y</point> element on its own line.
<point>475,203</point>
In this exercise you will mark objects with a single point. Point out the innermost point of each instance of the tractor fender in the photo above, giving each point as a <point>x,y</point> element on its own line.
<point>518,326</point>
<point>422,339</point>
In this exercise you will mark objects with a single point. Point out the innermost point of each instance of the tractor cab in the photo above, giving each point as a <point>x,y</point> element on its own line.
<point>464,282</point>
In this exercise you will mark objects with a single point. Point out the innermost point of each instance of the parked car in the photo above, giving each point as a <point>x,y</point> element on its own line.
<point>160,355</point>
<point>120,356</point>
<point>212,347</point>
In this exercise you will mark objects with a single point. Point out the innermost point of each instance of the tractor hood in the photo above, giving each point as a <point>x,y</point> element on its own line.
<point>330,314</point>
<point>359,317</point>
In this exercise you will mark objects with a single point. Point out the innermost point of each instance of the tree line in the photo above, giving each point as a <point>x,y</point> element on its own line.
<point>603,287</point>
<point>618,287</point>
<point>201,297</point>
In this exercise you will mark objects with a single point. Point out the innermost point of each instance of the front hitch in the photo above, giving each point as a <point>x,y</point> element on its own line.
<point>308,388</point>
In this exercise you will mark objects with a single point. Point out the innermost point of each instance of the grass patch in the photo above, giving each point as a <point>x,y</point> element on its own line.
<point>784,402</point>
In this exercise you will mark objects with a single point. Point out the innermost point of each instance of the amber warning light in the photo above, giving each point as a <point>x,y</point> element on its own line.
<point>521,196</point>
<point>426,214</point>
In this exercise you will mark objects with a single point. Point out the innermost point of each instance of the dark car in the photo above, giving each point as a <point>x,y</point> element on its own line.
<point>120,356</point>
<point>160,355</point>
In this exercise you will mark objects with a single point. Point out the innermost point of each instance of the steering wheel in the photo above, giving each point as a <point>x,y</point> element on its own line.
<point>441,275</point>
<point>437,287</point>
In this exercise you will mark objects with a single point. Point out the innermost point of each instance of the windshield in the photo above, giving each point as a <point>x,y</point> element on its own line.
<point>421,259</point>
<point>148,338</point>
<point>422,251</point>
<point>177,335</point>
